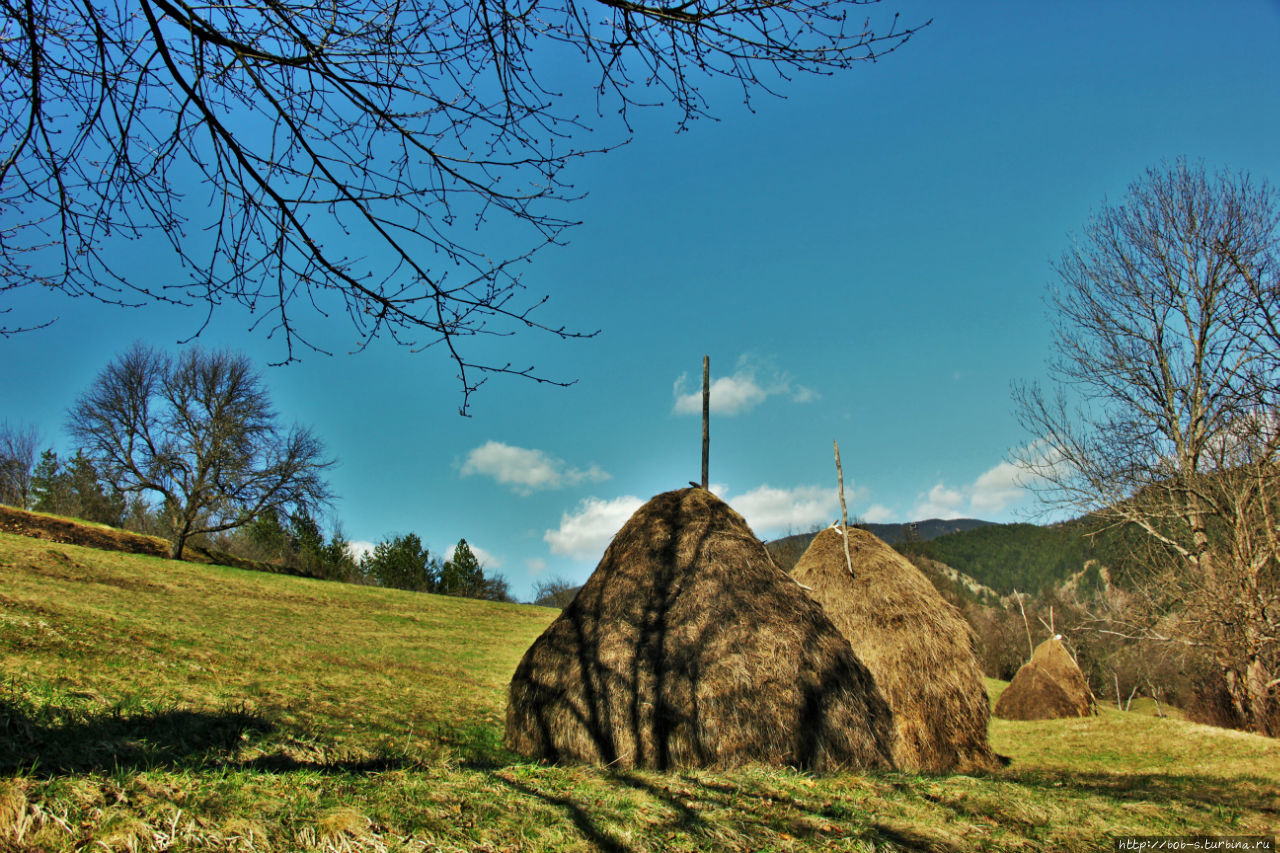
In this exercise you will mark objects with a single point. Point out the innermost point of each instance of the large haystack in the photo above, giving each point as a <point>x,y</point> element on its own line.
<point>689,647</point>
<point>1047,687</point>
<point>920,650</point>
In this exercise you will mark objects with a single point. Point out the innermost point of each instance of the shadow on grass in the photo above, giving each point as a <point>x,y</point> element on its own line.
<point>818,823</point>
<point>46,744</point>
<point>468,747</point>
<point>1237,793</point>
<point>716,814</point>
<point>733,812</point>
<point>591,830</point>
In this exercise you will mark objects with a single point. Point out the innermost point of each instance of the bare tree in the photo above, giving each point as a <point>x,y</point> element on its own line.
<point>357,156</point>
<point>17,461</point>
<point>198,431</point>
<point>555,592</point>
<point>1165,417</point>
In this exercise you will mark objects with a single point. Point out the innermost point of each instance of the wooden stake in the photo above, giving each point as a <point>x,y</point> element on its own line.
<point>1030,644</point>
<point>706,417</point>
<point>844,510</point>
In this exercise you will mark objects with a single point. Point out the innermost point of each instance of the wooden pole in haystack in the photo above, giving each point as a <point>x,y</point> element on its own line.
<point>706,416</point>
<point>844,510</point>
<point>1030,644</point>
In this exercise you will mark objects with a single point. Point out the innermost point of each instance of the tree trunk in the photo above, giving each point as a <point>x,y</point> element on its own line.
<point>1264,705</point>
<point>179,540</point>
<point>1204,563</point>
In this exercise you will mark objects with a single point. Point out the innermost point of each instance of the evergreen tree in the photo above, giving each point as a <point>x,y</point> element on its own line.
<point>306,541</point>
<point>331,560</point>
<point>462,574</point>
<point>97,501</point>
<point>267,536</point>
<point>403,563</point>
<point>337,559</point>
<point>75,489</point>
<point>51,491</point>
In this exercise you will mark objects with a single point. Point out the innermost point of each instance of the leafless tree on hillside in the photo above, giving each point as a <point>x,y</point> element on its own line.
<point>359,156</point>
<point>555,592</point>
<point>1166,417</point>
<point>18,446</point>
<point>197,431</point>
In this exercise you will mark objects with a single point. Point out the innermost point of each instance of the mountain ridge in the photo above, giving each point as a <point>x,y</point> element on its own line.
<point>786,550</point>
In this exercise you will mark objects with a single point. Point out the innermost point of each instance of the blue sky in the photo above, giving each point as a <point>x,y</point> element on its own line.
<point>863,261</point>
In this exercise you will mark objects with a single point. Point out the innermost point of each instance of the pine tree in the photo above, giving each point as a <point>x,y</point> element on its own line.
<point>76,490</point>
<point>51,490</point>
<point>403,563</point>
<point>97,501</point>
<point>462,574</point>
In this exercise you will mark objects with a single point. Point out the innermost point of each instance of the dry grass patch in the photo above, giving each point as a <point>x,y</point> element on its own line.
<point>213,709</point>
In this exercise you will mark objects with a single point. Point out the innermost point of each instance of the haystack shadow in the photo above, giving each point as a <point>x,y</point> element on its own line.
<point>115,739</point>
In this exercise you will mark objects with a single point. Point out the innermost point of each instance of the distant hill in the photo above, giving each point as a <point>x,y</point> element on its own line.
<point>924,531</point>
<point>1006,557</point>
<point>787,550</point>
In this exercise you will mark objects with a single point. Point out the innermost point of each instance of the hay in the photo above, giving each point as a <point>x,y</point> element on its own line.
<point>920,650</point>
<point>689,647</point>
<point>1050,686</point>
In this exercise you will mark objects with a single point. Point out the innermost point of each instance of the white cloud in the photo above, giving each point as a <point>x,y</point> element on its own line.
<point>778,510</point>
<point>585,532</point>
<point>750,384</point>
<point>730,395</point>
<point>997,488</point>
<point>359,549</point>
<point>1046,463</point>
<point>878,514</point>
<point>801,394</point>
<point>994,492</point>
<point>487,559</point>
<point>535,565</point>
<point>525,470</point>
<point>941,502</point>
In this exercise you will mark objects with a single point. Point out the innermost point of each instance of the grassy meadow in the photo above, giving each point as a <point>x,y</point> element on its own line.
<point>155,705</point>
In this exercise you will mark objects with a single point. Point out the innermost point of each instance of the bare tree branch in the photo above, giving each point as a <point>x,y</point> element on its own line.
<point>359,157</point>
<point>198,431</point>
<point>1166,416</point>
<point>18,445</point>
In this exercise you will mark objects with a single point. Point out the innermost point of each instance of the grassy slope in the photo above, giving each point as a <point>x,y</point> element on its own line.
<point>154,705</point>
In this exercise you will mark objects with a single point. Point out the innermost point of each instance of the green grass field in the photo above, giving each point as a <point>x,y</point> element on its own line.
<point>154,705</point>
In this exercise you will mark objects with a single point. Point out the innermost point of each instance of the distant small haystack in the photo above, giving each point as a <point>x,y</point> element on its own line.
<point>688,647</point>
<point>1047,687</point>
<point>920,650</point>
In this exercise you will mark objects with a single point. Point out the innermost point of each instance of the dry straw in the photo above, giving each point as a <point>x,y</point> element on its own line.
<point>920,650</point>
<point>689,647</point>
<point>1047,687</point>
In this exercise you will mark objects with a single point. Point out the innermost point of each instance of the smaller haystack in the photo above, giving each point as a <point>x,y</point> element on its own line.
<point>1050,686</point>
<point>689,647</point>
<point>920,650</point>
